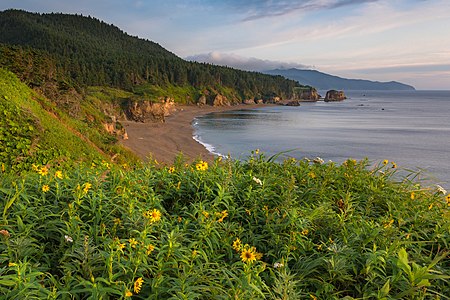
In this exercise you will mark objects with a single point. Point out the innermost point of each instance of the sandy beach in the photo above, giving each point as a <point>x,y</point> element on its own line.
<point>164,141</point>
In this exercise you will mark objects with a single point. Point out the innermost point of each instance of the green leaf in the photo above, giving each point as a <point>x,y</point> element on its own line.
<point>385,289</point>
<point>403,262</point>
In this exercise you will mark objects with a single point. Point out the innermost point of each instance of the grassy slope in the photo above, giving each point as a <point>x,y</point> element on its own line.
<point>34,130</point>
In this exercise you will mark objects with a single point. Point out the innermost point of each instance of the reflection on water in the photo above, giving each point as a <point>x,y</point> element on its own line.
<point>410,128</point>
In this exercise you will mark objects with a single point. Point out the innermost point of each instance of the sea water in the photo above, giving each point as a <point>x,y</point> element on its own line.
<point>411,128</point>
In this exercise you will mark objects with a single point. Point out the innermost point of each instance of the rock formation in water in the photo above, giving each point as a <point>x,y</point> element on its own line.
<point>333,95</point>
<point>307,94</point>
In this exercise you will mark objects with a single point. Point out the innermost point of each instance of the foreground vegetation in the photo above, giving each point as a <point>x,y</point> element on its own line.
<point>228,230</point>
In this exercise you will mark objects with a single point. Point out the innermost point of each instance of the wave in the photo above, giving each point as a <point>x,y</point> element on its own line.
<point>211,149</point>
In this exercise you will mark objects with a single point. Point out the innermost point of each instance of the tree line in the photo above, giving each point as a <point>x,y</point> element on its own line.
<point>87,51</point>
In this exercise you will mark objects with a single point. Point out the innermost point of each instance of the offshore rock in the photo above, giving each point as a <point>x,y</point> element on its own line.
<point>333,95</point>
<point>307,94</point>
<point>293,103</point>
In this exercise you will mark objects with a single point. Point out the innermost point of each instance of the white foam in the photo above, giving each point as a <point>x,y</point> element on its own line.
<point>211,149</point>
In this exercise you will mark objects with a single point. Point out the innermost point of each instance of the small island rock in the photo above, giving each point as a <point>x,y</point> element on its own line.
<point>333,95</point>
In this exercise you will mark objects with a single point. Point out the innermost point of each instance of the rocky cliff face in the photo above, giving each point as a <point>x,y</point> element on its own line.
<point>333,95</point>
<point>220,100</point>
<point>115,128</point>
<point>145,111</point>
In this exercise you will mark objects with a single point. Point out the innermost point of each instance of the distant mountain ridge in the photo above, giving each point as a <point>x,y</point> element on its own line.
<point>323,81</point>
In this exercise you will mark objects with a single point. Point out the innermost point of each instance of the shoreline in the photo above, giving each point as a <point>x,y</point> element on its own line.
<point>163,142</point>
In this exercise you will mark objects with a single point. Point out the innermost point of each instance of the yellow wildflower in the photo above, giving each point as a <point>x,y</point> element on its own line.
<point>430,207</point>
<point>87,186</point>
<point>312,175</point>
<point>133,242</point>
<point>224,215</point>
<point>237,245</point>
<point>150,249</point>
<point>206,214</point>
<point>305,232</point>
<point>248,256</point>
<point>258,255</point>
<point>447,198</point>
<point>201,166</point>
<point>389,224</point>
<point>171,170</point>
<point>257,151</point>
<point>180,219</point>
<point>59,174</point>
<point>45,188</point>
<point>3,167</point>
<point>138,285</point>
<point>43,171</point>
<point>117,221</point>
<point>394,165</point>
<point>128,294</point>
<point>153,215</point>
<point>121,246</point>
<point>194,253</point>
<point>385,162</point>
<point>413,196</point>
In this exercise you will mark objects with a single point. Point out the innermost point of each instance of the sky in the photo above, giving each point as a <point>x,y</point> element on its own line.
<point>384,40</point>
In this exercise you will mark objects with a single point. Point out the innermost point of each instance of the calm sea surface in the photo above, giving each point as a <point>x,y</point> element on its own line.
<point>411,128</point>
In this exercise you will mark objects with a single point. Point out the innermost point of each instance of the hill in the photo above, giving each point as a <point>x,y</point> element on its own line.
<point>89,52</point>
<point>323,81</point>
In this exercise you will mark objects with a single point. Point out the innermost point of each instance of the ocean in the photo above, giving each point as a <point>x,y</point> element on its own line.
<point>411,128</point>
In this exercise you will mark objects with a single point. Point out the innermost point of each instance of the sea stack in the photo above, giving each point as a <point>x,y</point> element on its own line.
<point>333,95</point>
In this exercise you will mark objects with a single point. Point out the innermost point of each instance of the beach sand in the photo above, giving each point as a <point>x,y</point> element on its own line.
<point>164,141</point>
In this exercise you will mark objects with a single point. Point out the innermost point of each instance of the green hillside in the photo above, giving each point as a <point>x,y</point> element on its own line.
<point>92,53</point>
<point>35,131</point>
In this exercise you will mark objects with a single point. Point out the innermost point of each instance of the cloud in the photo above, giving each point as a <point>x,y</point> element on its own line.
<point>257,9</point>
<point>244,63</point>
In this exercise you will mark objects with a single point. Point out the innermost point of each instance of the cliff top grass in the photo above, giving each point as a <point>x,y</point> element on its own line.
<point>250,229</point>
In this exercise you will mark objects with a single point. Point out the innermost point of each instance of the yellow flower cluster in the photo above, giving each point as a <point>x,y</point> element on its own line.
<point>138,285</point>
<point>43,171</point>
<point>223,214</point>
<point>447,198</point>
<point>86,188</point>
<point>150,249</point>
<point>153,215</point>
<point>128,294</point>
<point>201,166</point>
<point>133,242</point>
<point>248,254</point>
<point>45,188</point>
<point>312,175</point>
<point>59,174</point>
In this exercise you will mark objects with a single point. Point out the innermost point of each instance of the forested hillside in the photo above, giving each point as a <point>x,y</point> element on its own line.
<point>89,52</point>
